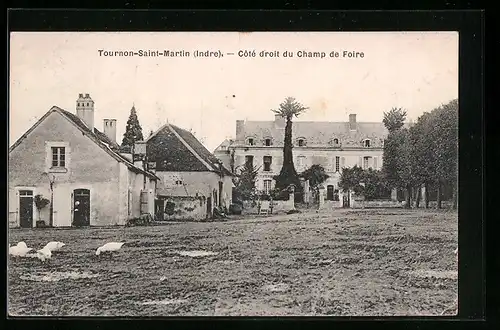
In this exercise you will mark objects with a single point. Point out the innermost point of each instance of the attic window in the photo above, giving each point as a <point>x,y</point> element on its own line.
<point>367,143</point>
<point>78,104</point>
<point>335,141</point>
<point>267,142</point>
<point>178,182</point>
<point>250,141</point>
<point>301,142</point>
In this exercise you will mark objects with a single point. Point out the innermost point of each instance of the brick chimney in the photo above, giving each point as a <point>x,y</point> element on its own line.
<point>85,110</point>
<point>109,128</point>
<point>279,121</point>
<point>352,121</point>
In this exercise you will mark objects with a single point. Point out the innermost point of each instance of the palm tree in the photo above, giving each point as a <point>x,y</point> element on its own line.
<point>288,175</point>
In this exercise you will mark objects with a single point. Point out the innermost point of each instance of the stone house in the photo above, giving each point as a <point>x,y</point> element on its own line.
<point>190,175</point>
<point>334,145</point>
<point>65,159</point>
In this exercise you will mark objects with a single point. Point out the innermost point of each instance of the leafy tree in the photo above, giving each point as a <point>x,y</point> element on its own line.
<point>394,119</point>
<point>374,185</point>
<point>288,175</point>
<point>133,130</point>
<point>40,203</point>
<point>351,179</point>
<point>244,183</point>
<point>316,175</point>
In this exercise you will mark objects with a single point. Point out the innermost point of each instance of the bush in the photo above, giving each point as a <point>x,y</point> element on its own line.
<point>142,220</point>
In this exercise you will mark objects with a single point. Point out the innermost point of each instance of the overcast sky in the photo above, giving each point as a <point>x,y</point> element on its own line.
<point>417,71</point>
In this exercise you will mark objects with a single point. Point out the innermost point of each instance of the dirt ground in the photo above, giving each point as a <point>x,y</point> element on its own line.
<point>388,262</point>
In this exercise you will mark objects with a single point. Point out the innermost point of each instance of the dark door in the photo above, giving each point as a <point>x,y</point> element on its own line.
<point>220,192</point>
<point>159,209</point>
<point>209,207</point>
<point>329,193</point>
<point>81,207</point>
<point>26,209</point>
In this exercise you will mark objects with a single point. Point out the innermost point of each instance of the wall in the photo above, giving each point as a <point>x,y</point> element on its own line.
<point>278,207</point>
<point>201,183</point>
<point>185,208</point>
<point>90,167</point>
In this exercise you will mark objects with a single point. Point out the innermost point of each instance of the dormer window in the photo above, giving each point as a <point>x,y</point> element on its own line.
<point>301,142</point>
<point>367,143</point>
<point>250,141</point>
<point>267,142</point>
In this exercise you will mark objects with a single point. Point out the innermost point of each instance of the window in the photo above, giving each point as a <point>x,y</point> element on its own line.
<point>250,141</point>
<point>178,182</point>
<point>367,143</point>
<point>366,162</point>
<point>87,103</point>
<point>301,142</point>
<point>78,104</point>
<point>335,141</point>
<point>267,186</point>
<point>267,142</point>
<point>249,161</point>
<point>301,161</point>
<point>267,163</point>
<point>337,164</point>
<point>58,157</point>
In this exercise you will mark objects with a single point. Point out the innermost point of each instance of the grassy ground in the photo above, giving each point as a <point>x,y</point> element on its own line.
<point>366,262</point>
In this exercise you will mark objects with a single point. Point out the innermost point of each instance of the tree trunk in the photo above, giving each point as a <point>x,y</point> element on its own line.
<point>438,198</point>
<point>419,196</point>
<point>455,195</point>
<point>426,185</point>
<point>51,216</point>
<point>408,197</point>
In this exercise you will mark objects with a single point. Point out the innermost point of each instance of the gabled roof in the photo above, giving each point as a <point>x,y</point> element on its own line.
<point>96,136</point>
<point>195,148</point>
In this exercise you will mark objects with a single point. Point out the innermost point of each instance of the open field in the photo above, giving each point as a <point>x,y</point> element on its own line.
<point>345,262</point>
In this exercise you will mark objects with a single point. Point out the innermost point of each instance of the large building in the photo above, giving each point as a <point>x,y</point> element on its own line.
<point>333,145</point>
<point>65,159</point>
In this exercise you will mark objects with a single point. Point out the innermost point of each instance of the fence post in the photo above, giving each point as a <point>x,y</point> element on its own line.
<point>321,196</point>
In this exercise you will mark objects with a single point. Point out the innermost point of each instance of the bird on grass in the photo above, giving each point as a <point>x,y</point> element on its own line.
<point>44,254</point>
<point>19,250</point>
<point>109,247</point>
<point>54,246</point>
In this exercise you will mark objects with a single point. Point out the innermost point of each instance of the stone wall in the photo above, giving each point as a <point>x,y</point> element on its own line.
<point>179,208</point>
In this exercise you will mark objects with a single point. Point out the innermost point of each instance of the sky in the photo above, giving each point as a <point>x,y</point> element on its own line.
<point>417,71</point>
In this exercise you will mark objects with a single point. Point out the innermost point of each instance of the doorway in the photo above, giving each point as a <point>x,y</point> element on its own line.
<point>159,209</point>
<point>209,207</point>
<point>81,207</point>
<point>329,193</point>
<point>26,208</point>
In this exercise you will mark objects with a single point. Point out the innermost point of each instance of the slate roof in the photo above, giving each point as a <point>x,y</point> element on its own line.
<point>182,151</point>
<point>112,148</point>
<point>316,134</point>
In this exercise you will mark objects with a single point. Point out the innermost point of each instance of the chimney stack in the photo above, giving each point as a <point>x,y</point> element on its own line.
<point>85,110</point>
<point>352,121</point>
<point>109,127</point>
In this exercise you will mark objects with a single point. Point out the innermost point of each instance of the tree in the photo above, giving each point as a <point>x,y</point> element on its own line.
<point>40,203</point>
<point>316,175</point>
<point>133,130</point>
<point>244,183</point>
<point>374,185</point>
<point>394,119</point>
<point>288,175</point>
<point>351,179</point>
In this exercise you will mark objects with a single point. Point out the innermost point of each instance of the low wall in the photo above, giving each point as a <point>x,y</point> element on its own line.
<point>375,204</point>
<point>277,207</point>
<point>180,208</point>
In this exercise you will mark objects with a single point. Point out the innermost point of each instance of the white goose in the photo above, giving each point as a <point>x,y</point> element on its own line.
<point>54,246</point>
<point>19,250</point>
<point>109,247</point>
<point>44,254</point>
